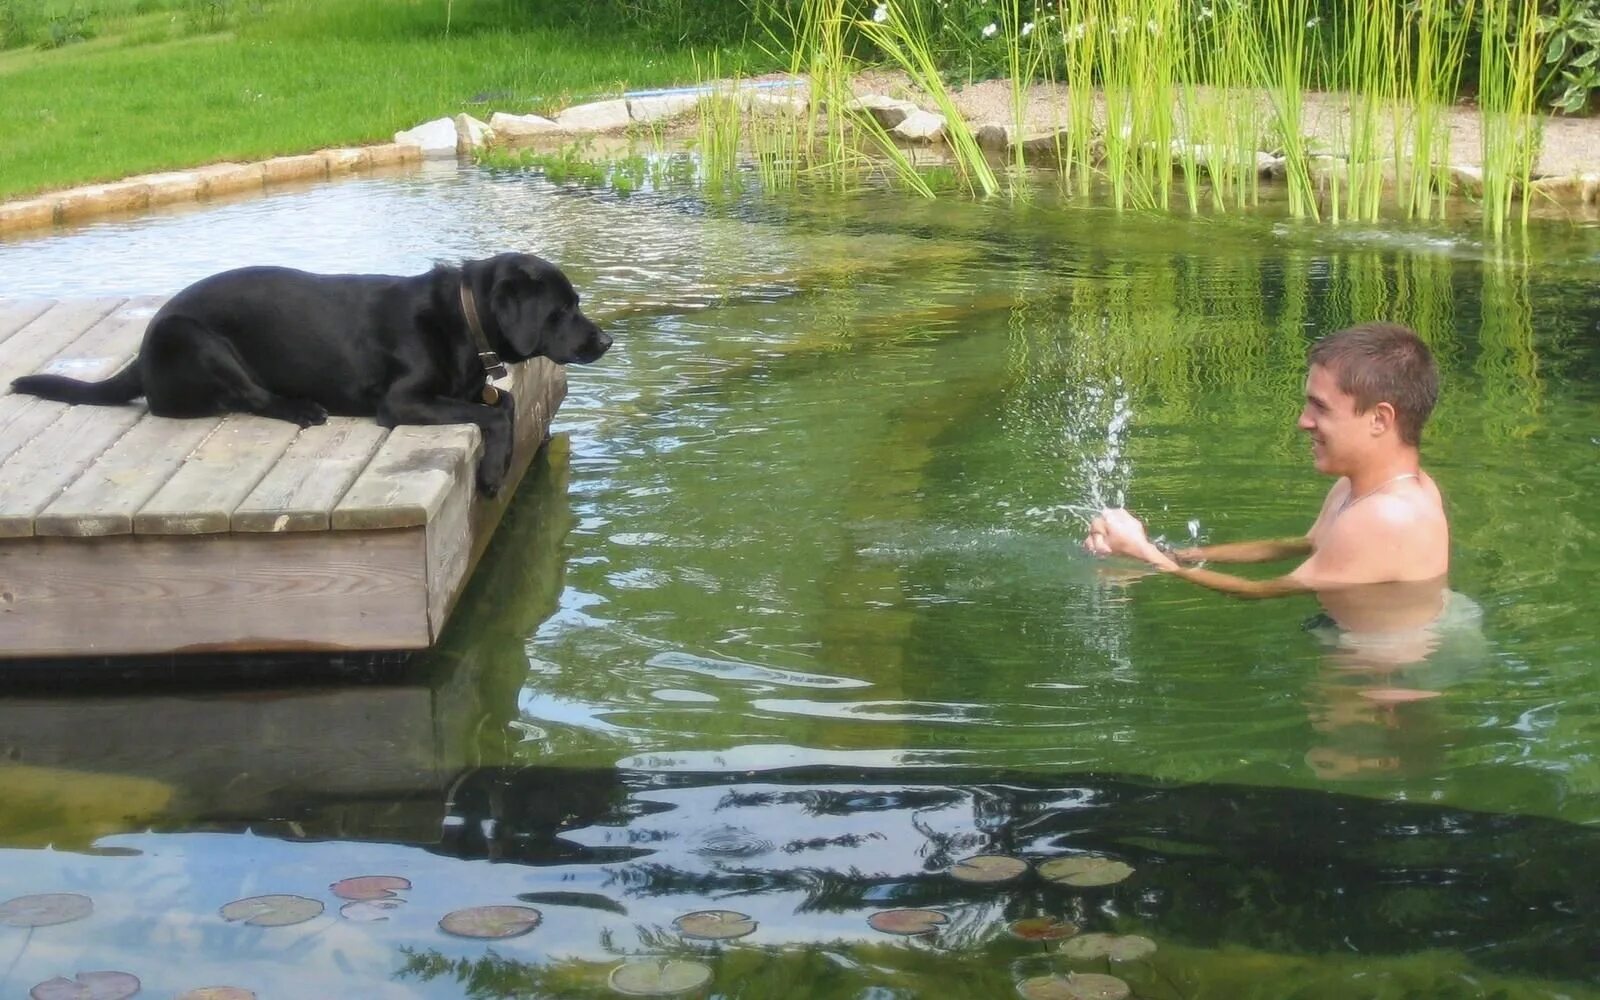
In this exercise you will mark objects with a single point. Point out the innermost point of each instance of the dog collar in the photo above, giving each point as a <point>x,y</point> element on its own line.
<point>493,367</point>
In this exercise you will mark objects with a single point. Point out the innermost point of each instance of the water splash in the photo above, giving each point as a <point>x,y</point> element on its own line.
<point>1095,427</point>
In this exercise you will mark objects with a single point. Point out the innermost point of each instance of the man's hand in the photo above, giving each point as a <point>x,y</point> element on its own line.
<point>1118,533</point>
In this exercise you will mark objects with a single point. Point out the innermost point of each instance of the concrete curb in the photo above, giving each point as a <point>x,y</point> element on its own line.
<point>135,194</point>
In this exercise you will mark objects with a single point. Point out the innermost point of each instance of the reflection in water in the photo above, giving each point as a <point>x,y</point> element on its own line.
<point>1388,649</point>
<point>612,857</point>
<point>810,571</point>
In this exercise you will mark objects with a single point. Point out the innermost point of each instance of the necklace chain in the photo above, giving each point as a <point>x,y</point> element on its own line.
<point>1387,482</point>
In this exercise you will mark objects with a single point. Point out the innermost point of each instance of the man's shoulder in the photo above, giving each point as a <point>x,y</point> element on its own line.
<point>1410,516</point>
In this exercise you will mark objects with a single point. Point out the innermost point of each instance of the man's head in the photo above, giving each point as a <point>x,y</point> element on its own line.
<point>1369,387</point>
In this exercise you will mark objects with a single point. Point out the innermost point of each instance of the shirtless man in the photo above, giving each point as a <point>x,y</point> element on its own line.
<point>1379,551</point>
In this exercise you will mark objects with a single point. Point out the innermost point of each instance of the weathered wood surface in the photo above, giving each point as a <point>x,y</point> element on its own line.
<point>122,532</point>
<point>216,477</point>
<point>104,500</point>
<point>300,491</point>
<point>128,594</point>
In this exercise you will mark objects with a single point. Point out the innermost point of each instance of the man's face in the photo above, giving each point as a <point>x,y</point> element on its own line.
<point>1338,434</point>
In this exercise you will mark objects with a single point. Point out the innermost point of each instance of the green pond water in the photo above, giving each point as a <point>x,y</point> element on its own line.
<point>791,617</point>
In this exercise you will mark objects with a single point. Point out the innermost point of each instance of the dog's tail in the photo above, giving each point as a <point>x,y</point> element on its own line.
<point>119,388</point>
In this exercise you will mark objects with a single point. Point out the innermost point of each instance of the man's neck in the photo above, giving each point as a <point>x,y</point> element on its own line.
<point>1375,474</point>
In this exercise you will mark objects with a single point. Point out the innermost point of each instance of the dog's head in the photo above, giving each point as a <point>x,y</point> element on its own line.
<point>534,309</point>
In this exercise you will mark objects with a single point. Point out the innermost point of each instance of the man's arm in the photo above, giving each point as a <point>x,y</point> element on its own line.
<point>1227,583</point>
<point>1117,532</point>
<point>1267,550</point>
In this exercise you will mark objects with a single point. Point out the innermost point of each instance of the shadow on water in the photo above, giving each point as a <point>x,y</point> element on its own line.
<point>918,559</point>
<point>192,741</point>
<point>1217,867</point>
<point>1244,889</point>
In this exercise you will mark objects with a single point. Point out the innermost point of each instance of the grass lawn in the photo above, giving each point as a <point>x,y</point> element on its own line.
<point>159,84</point>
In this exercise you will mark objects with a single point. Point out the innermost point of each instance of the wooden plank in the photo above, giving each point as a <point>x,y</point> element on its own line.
<point>18,313</point>
<point>135,594</point>
<point>36,473</point>
<point>23,418</point>
<point>105,498</point>
<point>29,348</point>
<point>410,477</point>
<point>300,491</point>
<point>89,340</point>
<point>103,349</point>
<point>538,387</point>
<point>201,495</point>
<point>449,549</point>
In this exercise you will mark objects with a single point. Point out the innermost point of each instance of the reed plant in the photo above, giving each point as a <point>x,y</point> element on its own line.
<point>1365,72</point>
<point>822,55</point>
<point>1441,32</point>
<point>902,35</point>
<point>1077,59</point>
<point>719,130</point>
<point>1508,66</point>
<point>1281,57</point>
<point>1023,58</point>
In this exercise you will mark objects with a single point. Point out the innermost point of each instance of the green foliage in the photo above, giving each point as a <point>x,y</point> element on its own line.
<point>209,16</point>
<point>67,27</point>
<point>13,29</point>
<point>1572,49</point>
<point>576,164</point>
<point>668,22</point>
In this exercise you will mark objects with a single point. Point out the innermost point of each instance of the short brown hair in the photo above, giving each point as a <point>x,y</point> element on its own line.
<point>1383,363</point>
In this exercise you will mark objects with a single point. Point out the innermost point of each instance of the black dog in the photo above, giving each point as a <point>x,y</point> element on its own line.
<point>407,350</point>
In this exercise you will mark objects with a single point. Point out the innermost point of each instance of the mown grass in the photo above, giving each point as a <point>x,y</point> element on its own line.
<point>149,91</point>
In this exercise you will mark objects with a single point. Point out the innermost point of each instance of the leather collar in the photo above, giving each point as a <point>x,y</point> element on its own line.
<point>493,367</point>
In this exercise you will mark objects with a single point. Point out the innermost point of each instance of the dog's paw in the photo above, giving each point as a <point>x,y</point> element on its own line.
<point>489,484</point>
<point>300,411</point>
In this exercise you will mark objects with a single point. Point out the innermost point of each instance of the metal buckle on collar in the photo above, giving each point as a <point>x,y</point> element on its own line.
<point>492,365</point>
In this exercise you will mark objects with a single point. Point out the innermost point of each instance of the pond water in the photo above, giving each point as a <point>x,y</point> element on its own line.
<point>791,617</point>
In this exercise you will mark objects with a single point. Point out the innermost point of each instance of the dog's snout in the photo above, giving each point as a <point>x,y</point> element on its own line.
<point>603,339</point>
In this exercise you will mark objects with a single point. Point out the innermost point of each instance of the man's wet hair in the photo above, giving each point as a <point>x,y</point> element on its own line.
<point>1383,363</point>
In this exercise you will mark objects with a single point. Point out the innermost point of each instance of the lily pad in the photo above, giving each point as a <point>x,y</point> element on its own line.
<point>715,925</point>
<point>218,993</point>
<point>659,978</point>
<point>88,986</point>
<point>369,887</point>
<point>368,910</point>
<point>1397,696</point>
<point>988,868</point>
<point>1085,986</point>
<point>273,910</point>
<point>45,909</point>
<point>1042,929</point>
<point>1085,870</point>
<point>491,921</point>
<point>1117,947</point>
<point>907,922</point>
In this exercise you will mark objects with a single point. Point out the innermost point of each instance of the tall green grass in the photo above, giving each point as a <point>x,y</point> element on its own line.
<point>1509,62</point>
<point>903,36</point>
<point>301,75</point>
<point>1154,85</point>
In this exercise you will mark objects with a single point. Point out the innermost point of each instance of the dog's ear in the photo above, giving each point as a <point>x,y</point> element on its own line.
<point>523,302</point>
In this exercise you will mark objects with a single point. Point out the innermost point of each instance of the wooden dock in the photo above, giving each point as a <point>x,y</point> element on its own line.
<point>123,533</point>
